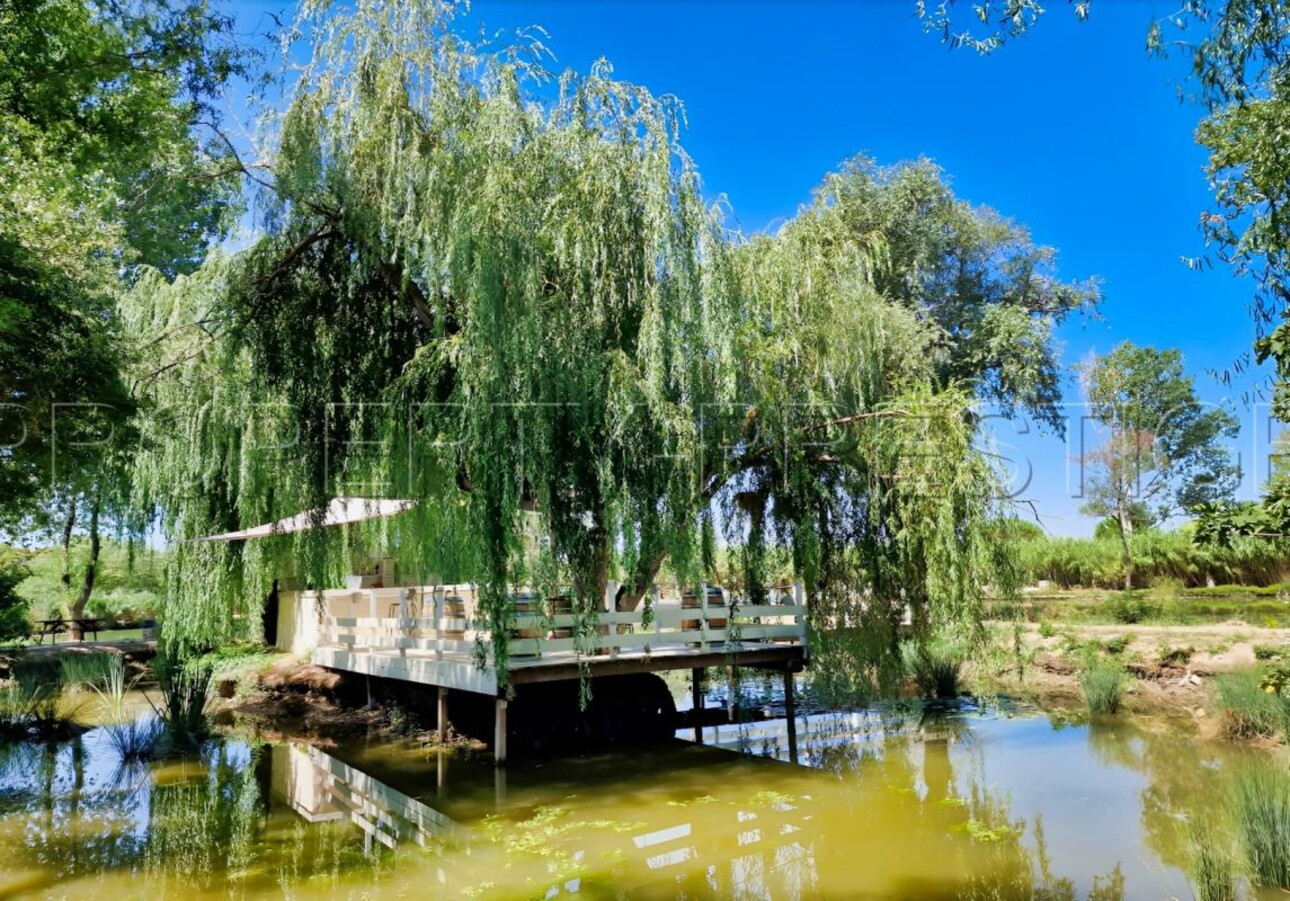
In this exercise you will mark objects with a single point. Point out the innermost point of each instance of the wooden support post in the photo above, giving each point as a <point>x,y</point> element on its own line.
<point>696,698</point>
<point>799,600</point>
<point>730,698</point>
<point>499,787</point>
<point>443,715</point>
<point>790,712</point>
<point>499,733</point>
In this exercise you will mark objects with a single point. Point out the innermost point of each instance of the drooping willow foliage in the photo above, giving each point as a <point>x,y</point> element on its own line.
<point>504,295</point>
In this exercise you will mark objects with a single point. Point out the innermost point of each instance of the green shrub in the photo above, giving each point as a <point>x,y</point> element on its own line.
<point>1117,644</point>
<point>1268,652</point>
<point>1171,656</point>
<point>1128,608</point>
<point>1261,815</point>
<point>1047,630</point>
<point>14,621</point>
<point>1102,682</point>
<point>1246,708</point>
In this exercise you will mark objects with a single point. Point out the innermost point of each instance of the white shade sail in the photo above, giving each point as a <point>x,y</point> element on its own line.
<point>340,511</point>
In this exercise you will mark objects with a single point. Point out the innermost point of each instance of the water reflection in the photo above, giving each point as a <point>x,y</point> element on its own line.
<point>897,802</point>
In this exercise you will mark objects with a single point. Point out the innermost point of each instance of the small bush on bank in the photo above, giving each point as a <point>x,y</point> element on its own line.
<point>1102,682</point>
<point>1171,656</point>
<point>1268,652</point>
<point>1116,644</point>
<point>1128,608</point>
<point>1246,709</point>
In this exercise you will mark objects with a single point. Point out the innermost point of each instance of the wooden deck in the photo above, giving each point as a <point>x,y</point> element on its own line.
<point>432,635</point>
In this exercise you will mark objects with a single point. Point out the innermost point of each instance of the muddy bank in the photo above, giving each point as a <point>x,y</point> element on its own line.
<point>1172,668</point>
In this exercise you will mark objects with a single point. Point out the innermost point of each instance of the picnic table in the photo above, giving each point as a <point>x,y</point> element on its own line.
<point>52,627</point>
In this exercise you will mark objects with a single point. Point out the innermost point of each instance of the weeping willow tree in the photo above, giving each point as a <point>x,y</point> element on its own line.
<point>502,294</point>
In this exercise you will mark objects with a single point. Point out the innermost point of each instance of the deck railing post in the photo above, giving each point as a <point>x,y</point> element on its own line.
<point>438,597</point>
<point>443,715</point>
<point>703,614</point>
<point>799,600</point>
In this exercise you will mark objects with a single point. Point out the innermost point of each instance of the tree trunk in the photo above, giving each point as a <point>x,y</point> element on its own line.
<point>91,569</point>
<point>66,578</point>
<point>1126,534</point>
<point>631,593</point>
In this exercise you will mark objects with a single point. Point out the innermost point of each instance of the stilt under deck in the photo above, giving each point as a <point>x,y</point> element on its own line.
<point>427,635</point>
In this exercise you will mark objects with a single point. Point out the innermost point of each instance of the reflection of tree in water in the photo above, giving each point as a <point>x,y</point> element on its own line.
<point>1183,782</point>
<point>207,829</point>
<point>63,824</point>
<point>912,782</point>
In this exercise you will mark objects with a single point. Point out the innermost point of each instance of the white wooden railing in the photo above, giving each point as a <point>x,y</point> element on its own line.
<point>425,621</point>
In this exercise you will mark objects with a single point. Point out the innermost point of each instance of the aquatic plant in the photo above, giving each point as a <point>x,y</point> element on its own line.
<point>1260,809</point>
<point>1246,709</point>
<point>134,738</point>
<point>85,671</point>
<point>934,665</point>
<point>1211,867</point>
<point>1102,682</point>
<point>32,704</point>
<point>185,684</point>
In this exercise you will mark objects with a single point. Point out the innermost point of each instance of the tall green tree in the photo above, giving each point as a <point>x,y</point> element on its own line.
<point>102,171</point>
<point>500,292</point>
<point>1163,446</point>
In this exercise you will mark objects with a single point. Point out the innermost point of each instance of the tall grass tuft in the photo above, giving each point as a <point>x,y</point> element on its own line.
<point>32,704</point>
<point>1246,709</point>
<point>185,685</point>
<point>934,666</point>
<point>134,738</point>
<point>1102,682</point>
<point>80,672</point>
<point>1211,867</point>
<point>1260,803</point>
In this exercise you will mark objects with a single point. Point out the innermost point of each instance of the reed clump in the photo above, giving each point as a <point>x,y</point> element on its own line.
<point>1103,682</point>
<point>1260,810</point>
<point>1246,709</point>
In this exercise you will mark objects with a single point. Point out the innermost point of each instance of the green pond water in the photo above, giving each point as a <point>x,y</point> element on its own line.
<point>948,803</point>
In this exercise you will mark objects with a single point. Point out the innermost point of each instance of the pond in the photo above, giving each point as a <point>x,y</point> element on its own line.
<point>948,802</point>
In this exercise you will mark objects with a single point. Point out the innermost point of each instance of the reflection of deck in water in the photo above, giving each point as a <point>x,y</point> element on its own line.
<point>738,852</point>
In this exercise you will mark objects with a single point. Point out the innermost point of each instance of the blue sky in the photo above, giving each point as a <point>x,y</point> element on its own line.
<point>1073,131</point>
